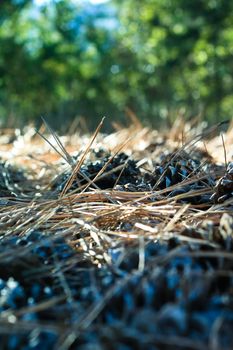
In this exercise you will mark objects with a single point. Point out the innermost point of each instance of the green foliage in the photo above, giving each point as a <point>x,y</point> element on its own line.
<point>183,53</point>
<point>66,59</point>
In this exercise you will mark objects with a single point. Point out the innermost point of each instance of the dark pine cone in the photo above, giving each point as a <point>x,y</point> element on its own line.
<point>224,187</point>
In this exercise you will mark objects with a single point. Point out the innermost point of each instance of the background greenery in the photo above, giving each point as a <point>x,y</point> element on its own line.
<point>65,59</point>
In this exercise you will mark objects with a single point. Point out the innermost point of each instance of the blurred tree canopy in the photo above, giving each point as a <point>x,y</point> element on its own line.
<point>64,59</point>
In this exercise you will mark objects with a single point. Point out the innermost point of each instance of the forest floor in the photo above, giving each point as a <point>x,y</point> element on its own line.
<point>120,241</point>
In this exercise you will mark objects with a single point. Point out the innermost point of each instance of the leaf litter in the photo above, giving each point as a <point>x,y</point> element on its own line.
<point>119,241</point>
